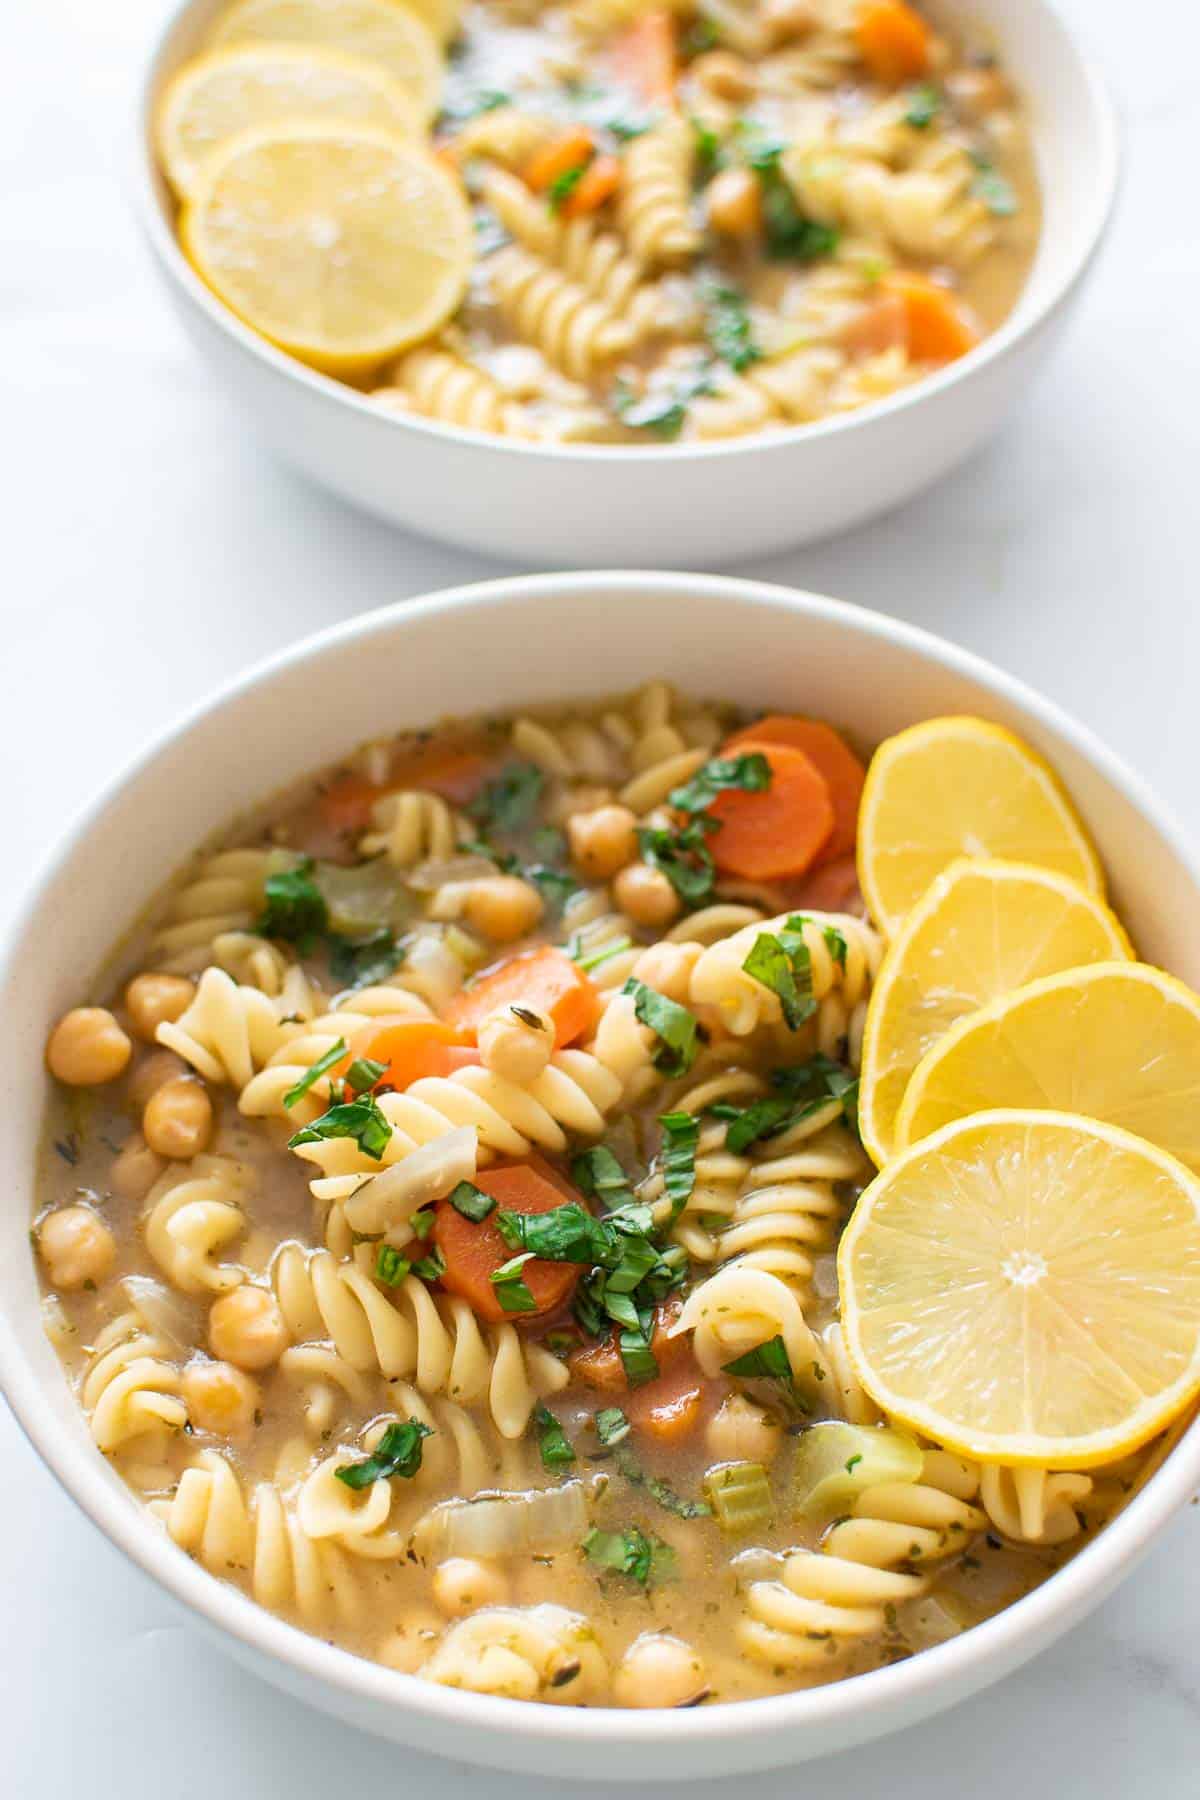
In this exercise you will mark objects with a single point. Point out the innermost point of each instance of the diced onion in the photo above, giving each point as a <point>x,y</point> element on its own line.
<point>393,1196</point>
<point>162,1310</point>
<point>835,1463</point>
<point>442,871</point>
<point>506,1524</point>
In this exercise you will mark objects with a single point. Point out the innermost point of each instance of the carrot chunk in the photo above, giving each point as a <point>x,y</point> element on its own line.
<point>893,41</point>
<point>345,805</point>
<point>644,57</point>
<point>780,831</point>
<point>939,329</point>
<point>832,757</point>
<point>600,1365</point>
<point>474,1252</point>
<point>598,183</point>
<point>879,324</point>
<point>829,887</point>
<point>558,158</point>
<point>545,980</point>
<point>411,1049</point>
<point>670,1408</point>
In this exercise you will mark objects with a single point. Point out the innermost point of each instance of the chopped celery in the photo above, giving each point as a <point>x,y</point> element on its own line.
<point>934,1618</point>
<point>740,1496</point>
<point>835,1463</point>
<point>363,897</point>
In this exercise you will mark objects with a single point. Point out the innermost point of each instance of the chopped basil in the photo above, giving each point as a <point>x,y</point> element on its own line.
<point>751,774</point>
<point>924,105</point>
<point>644,1559</point>
<point>390,1267</point>
<point>363,1074</point>
<point>822,1078</point>
<point>575,950</point>
<point>398,1452</point>
<point>659,1490</point>
<point>552,1440</point>
<point>612,1427</point>
<point>567,1233</point>
<point>554,885</point>
<point>683,856</point>
<point>707,145</point>
<point>661,410</point>
<point>783,964</point>
<point>431,1267</point>
<point>992,187</point>
<point>790,235</point>
<point>509,802</point>
<point>802,1091</point>
<point>770,1362</point>
<point>835,943</point>
<point>472,1202</point>
<point>458,109</point>
<point>310,1079</point>
<point>295,908</point>
<point>747,1124</point>
<point>637,1358</point>
<point>673,1025</point>
<point>509,1283</point>
<point>359,962</point>
<point>681,1133</point>
<point>563,186</point>
<point>549,844</point>
<point>728,328</point>
<point>360,1119</point>
<point>598,1174</point>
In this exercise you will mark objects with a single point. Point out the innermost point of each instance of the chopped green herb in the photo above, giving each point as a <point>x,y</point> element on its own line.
<point>310,1079</point>
<point>673,1025</point>
<point>637,1358</point>
<point>549,844</point>
<point>552,1440</point>
<point>790,235</point>
<point>471,1202</point>
<point>567,1233</point>
<point>563,186</point>
<point>631,1552</point>
<point>390,1267</point>
<point>598,1174</point>
<point>459,108</point>
<point>835,943</point>
<point>764,1119</point>
<point>554,885</point>
<point>359,962</point>
<point>510,1285</point>
<point>509,803</point>
<point>729,331</point>
<point>750,774</point>
<point>360,1119</point>
<point>662,411</point>
<point>431,1267</point>
<point>398,1452</point>
<point>852,1463</point>
<point>783,963</point>
<point>707,145</point>
<point>587,962</point>
<point>681,1134</point>
<point>924,105</point>
<point>683,857</point>
<point>363,1074</point>
<point>295,909</point>
<point>421,1223</point>
<point>612,1427</point>
<point>769,1362</point>
<point>990,186</point>
<point>660,1491</point>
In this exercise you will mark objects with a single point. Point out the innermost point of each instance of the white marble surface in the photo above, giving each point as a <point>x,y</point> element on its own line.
<point>150,551</point>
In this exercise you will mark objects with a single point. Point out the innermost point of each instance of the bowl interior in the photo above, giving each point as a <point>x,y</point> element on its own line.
<point>491,649</point>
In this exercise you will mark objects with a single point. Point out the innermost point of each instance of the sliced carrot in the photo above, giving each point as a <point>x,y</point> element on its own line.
<point>831,887</point>
<point>457,775</point>
<point>670,1408</point>
<point>780,831</point>
<point>893,41</point>
<point>600,1365</point>
<point>545,980</point>
<point>879,324</point>
<point>644,57</point>
<point>411,1049</point>
<point>473,1252</point>
<point>345,805</point>
<point>598,183</point>
<point>558,158</point>
<point>939,328</point>
<point>832,757</point>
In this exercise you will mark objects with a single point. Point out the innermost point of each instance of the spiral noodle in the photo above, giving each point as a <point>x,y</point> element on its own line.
<point>742,1004</point>
<point>1033,1506</point>
<point>927,210</point>
<point>596,19</point>
<point>523,1653</point>
<point>189,1217</point>
<point>595,259</point>
<point>850,1397</point>
<point>409,826</point>
<point>828,1601</point>
<point>623,742</point>
<point>226,894</point>
<point>209,1518</point>
<point>739,1308</point>
<point>265,1094</point>
<point>253,962</point>
<point>441,385</point>
<point>131,1385</point>
<point>718,1172</point>
<point>505,135</point>
<point>229,1030</point>
<point>438,1343</point>
<point>654,206</point>
<point>544,308</point>
<point>788,1211</point>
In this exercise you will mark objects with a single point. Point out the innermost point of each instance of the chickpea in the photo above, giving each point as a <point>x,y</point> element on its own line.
<point>743,1432</point>
<point>135,1169</point>
<point>462,1584</point>
<point>154,1000</point>
<point>602,842</point>
<point>220,1398</point>
<point>411,1645</point>
<point>152,1072</point>
<point>734,203</point>
<point>667,968</point>
<point>87,1047</point>
<point>178,1120</point>
<point>787,20</point>
<point>727,76</point>
<point>646,895</point>
<point>246,1328</point>
<point>503,907</point>
<point>659,1670</point>
<point>77,1247</point>
<point>516,1043</point>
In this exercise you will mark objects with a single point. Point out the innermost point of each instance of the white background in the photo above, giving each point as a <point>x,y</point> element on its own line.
<point>150,551</point>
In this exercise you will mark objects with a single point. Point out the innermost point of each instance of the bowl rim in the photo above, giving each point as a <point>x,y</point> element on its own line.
<point>997,347</point>
<point>895,1693</point>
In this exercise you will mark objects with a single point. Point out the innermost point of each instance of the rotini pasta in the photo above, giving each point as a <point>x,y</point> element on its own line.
<point>654,209</point>
<point>523,1653</point>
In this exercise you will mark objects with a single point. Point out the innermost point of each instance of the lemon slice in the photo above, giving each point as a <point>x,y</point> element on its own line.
<point>340,244</point>
<point>1117,1041</point>
<point>1024,1288</point>
<point>960,787</point>
<point>982,929</point>
<point>392,36</point>
<point>214,97</point>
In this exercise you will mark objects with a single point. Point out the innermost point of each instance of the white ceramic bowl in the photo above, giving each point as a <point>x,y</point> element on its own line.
<point>690,505</point>
<point>494,647</point>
